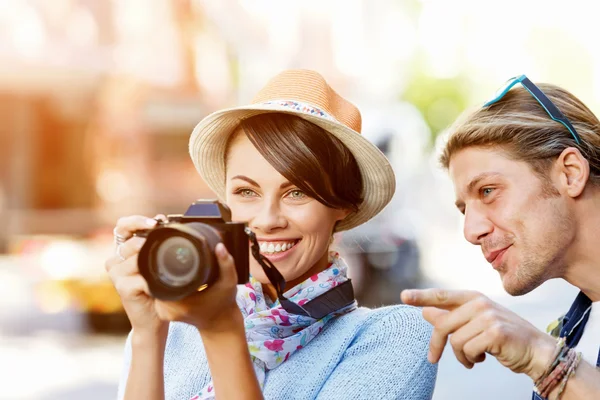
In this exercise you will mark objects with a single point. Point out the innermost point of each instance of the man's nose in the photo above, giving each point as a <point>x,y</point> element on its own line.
<point>477,226</point>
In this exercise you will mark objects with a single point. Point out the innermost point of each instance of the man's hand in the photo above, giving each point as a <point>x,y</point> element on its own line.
<point>476,326</point>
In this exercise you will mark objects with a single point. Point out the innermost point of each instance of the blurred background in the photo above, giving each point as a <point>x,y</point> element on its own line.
<point>97,101</point>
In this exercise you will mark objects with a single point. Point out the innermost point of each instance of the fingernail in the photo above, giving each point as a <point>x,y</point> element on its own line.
<point>150,222</point>
<point>408,295</point>
<point>221,250</point>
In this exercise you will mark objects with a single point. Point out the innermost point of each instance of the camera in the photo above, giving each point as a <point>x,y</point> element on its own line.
<point>178,256</point>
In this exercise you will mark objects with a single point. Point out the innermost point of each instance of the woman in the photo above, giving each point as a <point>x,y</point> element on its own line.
<point>293,166</point>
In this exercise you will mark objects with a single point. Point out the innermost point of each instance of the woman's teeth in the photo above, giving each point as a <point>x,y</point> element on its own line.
<point>276,247</point>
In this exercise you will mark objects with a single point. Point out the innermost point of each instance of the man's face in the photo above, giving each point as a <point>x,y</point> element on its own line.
<point>521,222</point>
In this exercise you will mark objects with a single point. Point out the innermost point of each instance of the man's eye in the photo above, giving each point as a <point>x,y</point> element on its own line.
<point>486,191</point>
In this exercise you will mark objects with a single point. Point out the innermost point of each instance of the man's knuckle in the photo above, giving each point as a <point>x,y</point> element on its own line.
<point>457,342</point>
<point>497,332</point>
<point>491,317</point>
<point>482,303</point>
<point>441,295</point>
<point>469,352</point>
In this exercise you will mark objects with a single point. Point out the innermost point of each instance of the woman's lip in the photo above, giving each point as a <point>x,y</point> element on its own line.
<point>277,240</point>
<point>280,255</point>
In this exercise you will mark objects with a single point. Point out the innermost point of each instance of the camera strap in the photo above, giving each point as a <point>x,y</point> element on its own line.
<point>317,308</point>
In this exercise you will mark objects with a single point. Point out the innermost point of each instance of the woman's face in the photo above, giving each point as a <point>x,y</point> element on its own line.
<point>293,230</point>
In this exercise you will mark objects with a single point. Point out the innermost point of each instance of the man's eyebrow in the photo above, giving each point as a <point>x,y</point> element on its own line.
<point>479,178</point>
<point>471,186</point>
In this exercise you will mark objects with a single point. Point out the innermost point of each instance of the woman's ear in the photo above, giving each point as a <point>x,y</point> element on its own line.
<point>342,213</point>
<point>573,170</point>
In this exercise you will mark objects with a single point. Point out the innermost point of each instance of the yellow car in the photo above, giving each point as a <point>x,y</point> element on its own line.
<point>69,277</point>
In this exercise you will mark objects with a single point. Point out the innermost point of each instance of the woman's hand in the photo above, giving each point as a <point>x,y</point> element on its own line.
<point>212,310</point>
<point>131,286</point>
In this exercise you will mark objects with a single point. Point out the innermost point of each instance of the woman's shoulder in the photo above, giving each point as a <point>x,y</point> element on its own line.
<point>397,309</point>
<point>393,342</point>
<point>403,318</point>
<point>397,323</point>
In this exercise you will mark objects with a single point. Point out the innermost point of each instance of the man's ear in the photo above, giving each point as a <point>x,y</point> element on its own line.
<point>573,170</point>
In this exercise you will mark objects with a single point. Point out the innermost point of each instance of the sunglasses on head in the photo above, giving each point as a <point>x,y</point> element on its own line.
<point>541,98</point>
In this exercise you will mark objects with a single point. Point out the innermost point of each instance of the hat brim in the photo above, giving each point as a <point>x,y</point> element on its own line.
<point>209,139</point>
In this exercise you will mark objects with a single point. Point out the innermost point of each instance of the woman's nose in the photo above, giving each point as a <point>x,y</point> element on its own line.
<point>269,218</point>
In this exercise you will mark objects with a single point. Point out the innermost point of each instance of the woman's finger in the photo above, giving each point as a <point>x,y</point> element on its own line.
<point>161,217</point>
<point>226,264</point>
<point>132,286</point>
<point>126,268</point>
<point>125,251</point>
<point>127,226</point>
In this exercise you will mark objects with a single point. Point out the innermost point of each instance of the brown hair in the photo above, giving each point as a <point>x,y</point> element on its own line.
<point>518,124</point>
<point>315,161</point>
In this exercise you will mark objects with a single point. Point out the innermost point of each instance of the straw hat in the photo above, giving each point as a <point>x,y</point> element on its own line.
<point>305,94</point>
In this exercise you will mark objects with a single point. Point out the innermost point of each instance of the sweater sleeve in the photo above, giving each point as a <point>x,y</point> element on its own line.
<point>387,360</point>
<point>125,368</point>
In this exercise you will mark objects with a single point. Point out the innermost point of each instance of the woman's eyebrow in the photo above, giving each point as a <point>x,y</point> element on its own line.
<point>246,179</point>
<point>251,181</point>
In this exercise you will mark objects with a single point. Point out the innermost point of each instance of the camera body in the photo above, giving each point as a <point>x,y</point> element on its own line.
<point>178,256</point>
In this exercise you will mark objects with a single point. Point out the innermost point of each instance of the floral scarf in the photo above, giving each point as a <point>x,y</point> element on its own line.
<point>273,334</point>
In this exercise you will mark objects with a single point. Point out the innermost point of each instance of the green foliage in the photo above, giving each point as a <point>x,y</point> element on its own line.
<point>440,101</point>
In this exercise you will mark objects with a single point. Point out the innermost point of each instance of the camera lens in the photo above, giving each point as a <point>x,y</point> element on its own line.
<point>177,261</point>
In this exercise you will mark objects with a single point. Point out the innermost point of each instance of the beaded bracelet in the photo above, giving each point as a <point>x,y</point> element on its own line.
<point>570,373</point>
<point>557,374</point>
<point>558,352</point>
<point>564,363</point>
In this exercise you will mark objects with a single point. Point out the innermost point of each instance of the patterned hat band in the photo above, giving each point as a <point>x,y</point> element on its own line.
<point>301,107</point>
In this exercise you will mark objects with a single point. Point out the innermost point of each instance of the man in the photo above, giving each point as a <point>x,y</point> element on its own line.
<point>526,173</point>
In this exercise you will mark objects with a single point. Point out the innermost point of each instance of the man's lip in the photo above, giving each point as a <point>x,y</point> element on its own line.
<point>492,255</point>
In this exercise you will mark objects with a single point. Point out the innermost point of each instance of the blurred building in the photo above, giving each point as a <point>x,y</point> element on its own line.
<point>98,100</point>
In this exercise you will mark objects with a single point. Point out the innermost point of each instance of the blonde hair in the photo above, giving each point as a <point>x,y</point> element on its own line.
<point>518,124</point>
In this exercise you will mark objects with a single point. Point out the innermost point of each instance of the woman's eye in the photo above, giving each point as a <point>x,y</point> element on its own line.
<point>297,194</point>
<point>245,192</point>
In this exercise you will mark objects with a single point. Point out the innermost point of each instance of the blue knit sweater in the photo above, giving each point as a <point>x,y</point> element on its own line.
<point>366,354</point>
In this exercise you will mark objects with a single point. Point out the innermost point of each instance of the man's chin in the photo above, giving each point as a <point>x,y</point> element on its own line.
<point>515,286</point>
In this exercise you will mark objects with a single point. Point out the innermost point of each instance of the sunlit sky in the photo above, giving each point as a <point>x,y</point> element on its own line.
<point>372,41</point>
